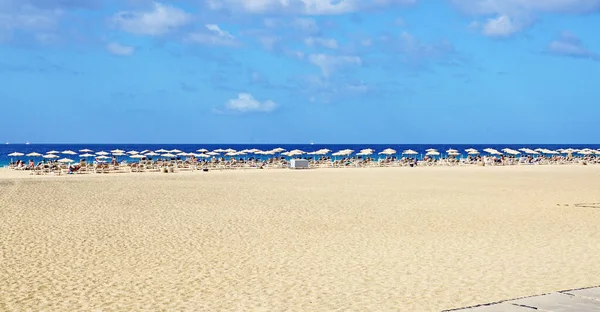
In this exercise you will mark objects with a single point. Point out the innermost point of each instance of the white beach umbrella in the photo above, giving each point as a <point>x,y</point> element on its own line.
<point>492,151</point>
<point>175,151</point>
<point>295,152</point>
<point>433,153</point>
<point>133,152</point>
<point>34,154</point>
<point>278,150</point>
<point>69,152</point>
<point>202,150</point>
<point>138,156</point>
<point>410,152</point>
<point>202,155</point>
<point>213,153</point>
<point>183,154</point>
<point>16,154</point>
<point>219,150</point>
<point>452,151</point>
<point>103,157</point>
<point>102,153</point>
<point>162,150</point>
<point>65,160</point>
<point>117,151</point>
<point>168,155</point>
<point>86,150</point>
<point>86,155</point>
<point>145,151</point>
<point>53,152</point>
<point>364,153</point>
<point>119,154</point>
<point>50,156</point>
<point>388,151</point>
<point>472,152</point>
<point>230,150</point>
<point>152,154</point>
<point>511,151</point>
<point>431,150</point>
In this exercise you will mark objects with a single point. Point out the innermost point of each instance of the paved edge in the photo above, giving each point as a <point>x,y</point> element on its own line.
<point>518,298</point>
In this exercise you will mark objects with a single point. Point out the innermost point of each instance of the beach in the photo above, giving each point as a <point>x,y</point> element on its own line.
<point>357,239</point>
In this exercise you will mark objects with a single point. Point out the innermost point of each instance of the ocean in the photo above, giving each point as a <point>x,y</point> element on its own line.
<point>6,149</point>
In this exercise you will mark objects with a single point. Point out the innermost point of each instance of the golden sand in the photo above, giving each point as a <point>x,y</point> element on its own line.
<point>381,239</point>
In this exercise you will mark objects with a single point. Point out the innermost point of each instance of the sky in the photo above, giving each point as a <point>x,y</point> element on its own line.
<point>299,71</point>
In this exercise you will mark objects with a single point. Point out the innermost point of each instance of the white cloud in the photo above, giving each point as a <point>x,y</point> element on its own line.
<point>567,44</point>
<point>323,42</point>
<point>214,36</point>
<point>245,102</point>
<point>491,7</point>
<point>330,63</point>
<point>501,26</point>
<point>307,7</point>
<point>161,19</point>
<point>26,17</point>
<point>118,49</point>
<point>308,25</point>
<point>507,17</point>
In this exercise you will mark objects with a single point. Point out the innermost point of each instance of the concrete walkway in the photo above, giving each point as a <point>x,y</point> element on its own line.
<point>579,300</point>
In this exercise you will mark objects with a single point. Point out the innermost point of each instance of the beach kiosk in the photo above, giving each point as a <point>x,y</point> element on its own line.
<point>299,164</point>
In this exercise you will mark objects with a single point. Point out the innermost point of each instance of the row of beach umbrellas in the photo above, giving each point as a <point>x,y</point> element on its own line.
<point>204,153</point>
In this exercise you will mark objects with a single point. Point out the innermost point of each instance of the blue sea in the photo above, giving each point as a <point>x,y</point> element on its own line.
<point>6,149</point>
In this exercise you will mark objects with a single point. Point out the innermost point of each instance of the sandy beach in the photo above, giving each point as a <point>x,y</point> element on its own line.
<point>370,239</point>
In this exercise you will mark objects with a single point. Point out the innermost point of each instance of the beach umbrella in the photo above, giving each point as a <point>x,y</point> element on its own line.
<point>102,153</point>
<point>162,151</point>
<point>202,150</point>
<point>16,154</point>
<point>67,152</point>
<point>152,154</point>
<point>219,150</point>
<point>212,153</point>
<point>410,152</point>
<point>472,152</point>
<point>202,155</point>
<point>145,151</point>
<point>295,152</point>
<point>511,151</point>
<point>53,152</point>
<point>278,150</point>
<point>492,151</point>
<point>168,155</point>
<point>86,150</point>
<point>119,154</point>
<point>50,156</point>
<point>103,157</point>
<point>34,154</point>
<point>86,155</point>
<point>117,151</point>
<point>138,156</point>
<point>431,150</point>
<point>452,151</point>
<point>133,152</point>
<point>174,151</point>
<point>183,154</point>
<point>65,160</point>
<point>388,151</point>
<point>433,153</point>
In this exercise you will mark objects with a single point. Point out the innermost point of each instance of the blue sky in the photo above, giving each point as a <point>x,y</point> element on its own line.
<point>296,71</point>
